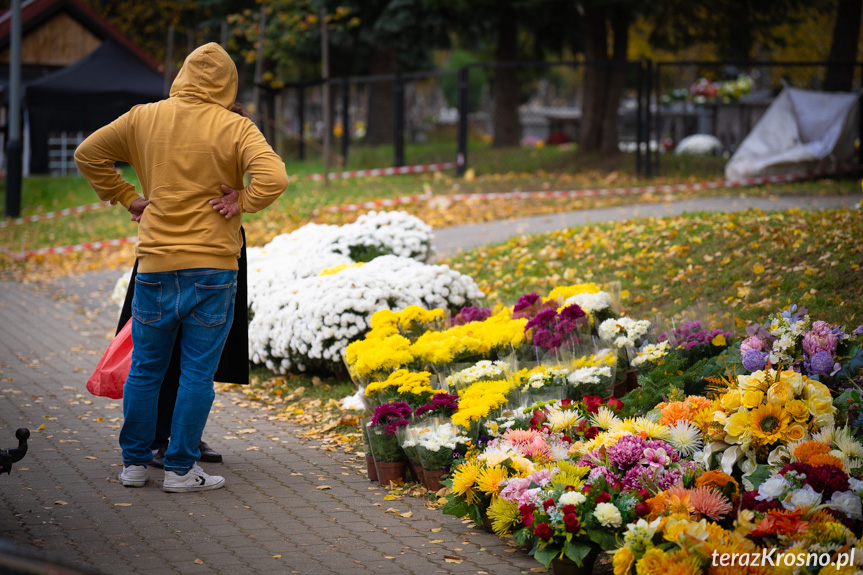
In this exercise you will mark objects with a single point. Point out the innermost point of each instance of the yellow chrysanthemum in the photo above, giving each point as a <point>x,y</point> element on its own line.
<point>769,422</point>
<point>643,426</point>
<point>504,515</point>
<point>464,480</point>
<point>563,293</point>
<point>368,356</point>
<point>489,480</point>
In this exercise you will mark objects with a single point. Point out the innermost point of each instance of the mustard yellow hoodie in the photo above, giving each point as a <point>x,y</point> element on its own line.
<point>182,149</point>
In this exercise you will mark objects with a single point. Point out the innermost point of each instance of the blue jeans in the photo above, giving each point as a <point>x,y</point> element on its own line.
<point>202,301</point>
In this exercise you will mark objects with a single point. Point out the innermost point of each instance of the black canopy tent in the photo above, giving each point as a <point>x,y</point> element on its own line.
<point>86,96</point>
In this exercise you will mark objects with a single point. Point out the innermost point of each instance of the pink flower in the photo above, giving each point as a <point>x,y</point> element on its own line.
<point>655,457</point>
<point>820,338</point>
<point>752,343</point>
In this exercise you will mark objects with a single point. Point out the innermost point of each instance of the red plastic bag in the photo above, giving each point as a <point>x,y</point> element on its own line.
<point>110,374</point>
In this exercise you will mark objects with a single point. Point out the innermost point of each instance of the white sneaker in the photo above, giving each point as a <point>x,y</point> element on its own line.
<point>195,480</point>
<point>134,475</point>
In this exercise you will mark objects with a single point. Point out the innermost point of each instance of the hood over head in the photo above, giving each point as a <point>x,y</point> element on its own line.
<point>208,74</point>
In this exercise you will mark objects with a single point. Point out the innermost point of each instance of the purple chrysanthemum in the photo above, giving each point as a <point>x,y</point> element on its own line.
<point>469,314</point>
<point>626,452</point>
<point>821,362</point>
<point>525,302</point>
<point>753,360</point>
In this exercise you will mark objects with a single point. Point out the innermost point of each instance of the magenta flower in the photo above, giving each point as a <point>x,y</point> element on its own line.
<point>655,458</point>
<point>820,338</point>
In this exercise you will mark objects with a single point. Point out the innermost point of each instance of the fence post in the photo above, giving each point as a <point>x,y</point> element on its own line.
<point>463,104</point>
<point>657,125</point>
<point>346,130</point>
<point>301,114</point>
<point>399,123</point>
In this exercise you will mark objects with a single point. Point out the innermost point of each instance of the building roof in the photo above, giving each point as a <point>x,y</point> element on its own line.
<point>36,12</point>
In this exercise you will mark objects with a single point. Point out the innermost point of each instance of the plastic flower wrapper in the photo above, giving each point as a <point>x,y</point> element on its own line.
<point>436,447</point>
<point>591,373</point>
<point>696,342</point>
<point>561,512</point>
<point>383,430</point>
<point>409,437</point>
<point>402,385</point>
<point>540,382</point>
<point>462,375</point>
<point>552,329</point>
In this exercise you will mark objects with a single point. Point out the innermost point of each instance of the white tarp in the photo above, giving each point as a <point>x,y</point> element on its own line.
<point>801,131</point>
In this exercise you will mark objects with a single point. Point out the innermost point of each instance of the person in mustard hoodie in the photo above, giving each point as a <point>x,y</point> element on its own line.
<point>190,152</point>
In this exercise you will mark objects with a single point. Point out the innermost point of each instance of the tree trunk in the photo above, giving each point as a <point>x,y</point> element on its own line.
<point>616,77</point>
<point>380,127</point>
<point>507,130</point>
<point>846,34</point>
<point>596,53</point>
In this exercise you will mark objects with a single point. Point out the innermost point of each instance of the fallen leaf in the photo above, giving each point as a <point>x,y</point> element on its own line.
<point>388,557</point>
<point>539,570</point>
<point>436,530</point>
<point>122,505</point>
<point>58,502</point>
<point>91,457</point>
<point>436,541</point>
<point>277,556</point>
<point>407,514</point>
<point>322,487</point>
<point>198,562</point>
<point>390,498</point>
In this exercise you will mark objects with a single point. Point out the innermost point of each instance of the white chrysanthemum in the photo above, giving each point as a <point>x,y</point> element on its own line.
<point>604,418</point>
<point>571,498</point>
<point>685,437</point>
<point>590,302</point>
<point>845,442</point>
<point>118,296</point>
<point>608,515</point>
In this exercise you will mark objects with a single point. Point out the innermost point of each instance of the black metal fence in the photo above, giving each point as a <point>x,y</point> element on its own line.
<point>445,115</point>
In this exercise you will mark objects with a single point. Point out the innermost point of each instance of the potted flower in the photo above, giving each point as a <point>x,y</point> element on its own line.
<point>382,430</point>
<point>435,450</point>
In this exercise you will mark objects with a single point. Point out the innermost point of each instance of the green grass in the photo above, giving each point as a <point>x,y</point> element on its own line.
<point>751,263</point>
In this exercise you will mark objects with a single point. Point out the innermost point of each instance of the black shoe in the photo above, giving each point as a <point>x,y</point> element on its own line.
<point>208,455</point>
<point>158,458</point>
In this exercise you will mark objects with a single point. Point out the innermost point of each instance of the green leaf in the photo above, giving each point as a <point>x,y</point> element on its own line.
<point>603,538</point>
<point>546,554</point>
<point>523,535</point>
<point>576,551</point>
<point>476,514</point>
<point>761,474</point>
<point>457,507</point>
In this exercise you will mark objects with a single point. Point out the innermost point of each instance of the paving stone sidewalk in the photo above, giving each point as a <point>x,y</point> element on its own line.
<point>274,516</point>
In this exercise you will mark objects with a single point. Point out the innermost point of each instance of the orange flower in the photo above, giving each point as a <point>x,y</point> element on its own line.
<point>805,450</point>
<point>722,481</point>
<point>825,459</point>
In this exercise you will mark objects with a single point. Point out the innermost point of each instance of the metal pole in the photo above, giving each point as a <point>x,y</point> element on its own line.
<point>169,61</point>
<point>301,116</point>
<point>13,147</point>
<point>325,74</point>
<point>639,122</point>
<point>658,123</point>
<point>399,123</point>
<point>259,68</point>
<point>346,130</point>
<point>461,155</point>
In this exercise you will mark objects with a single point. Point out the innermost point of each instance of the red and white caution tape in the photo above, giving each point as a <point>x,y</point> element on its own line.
<point>67,249</point>
<point>384,171</point>
<point>57,214</point>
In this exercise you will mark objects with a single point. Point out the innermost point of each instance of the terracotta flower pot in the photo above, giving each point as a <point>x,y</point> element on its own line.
<point>431,479</point>
<point>566,566</point>
<point>371,470</point>
<point>416,472</point>
<point>390,471</point>
<point>486,523</point>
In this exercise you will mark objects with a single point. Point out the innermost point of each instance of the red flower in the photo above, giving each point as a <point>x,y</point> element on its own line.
<point>567,509</point>
<point>543,531</point>
<point>592,403</point>
<point>591,432</point>
<point>643,493</point>
<point>642,509</point>
<point>586,489</point>
<point>548,503</point>
<point>603,497</point>
<point>614,404</point>
<point>571,522</point>
<point>527,514</point>
<point>565,402</point>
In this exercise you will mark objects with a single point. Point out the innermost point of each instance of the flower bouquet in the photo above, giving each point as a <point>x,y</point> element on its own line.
<point>411,387</point>
<point>758,415</point>
<point>694,342</point>
<point>592,374</point>
<point>540,383</point>
<point>408,438</point>
<point>562,515</point>
<point>460,376</point>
